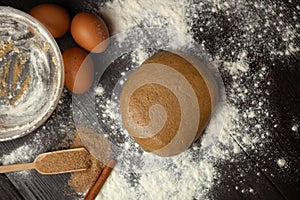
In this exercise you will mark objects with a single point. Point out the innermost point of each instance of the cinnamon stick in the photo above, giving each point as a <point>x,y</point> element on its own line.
<point>96,187</point>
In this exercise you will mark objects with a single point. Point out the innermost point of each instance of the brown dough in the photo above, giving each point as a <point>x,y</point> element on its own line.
<point>165,104</point>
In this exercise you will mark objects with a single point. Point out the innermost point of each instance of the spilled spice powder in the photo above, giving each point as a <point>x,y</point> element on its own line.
<point>83,180</point>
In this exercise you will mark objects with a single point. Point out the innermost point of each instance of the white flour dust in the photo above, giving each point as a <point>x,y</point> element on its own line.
<point>23,153</point>
<point>246,28</point>
<point>189,172</point>
<point>123,15</point>
<point>281,162</point>
<point>295,127</point>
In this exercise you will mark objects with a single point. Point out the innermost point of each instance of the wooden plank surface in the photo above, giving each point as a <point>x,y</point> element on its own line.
<point>257,171</point>
<point>283,142</point>
<point>283,99</point>
<point>242,179</point>
<point>7,189</point>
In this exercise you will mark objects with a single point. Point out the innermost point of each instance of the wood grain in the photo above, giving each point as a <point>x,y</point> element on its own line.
<point>242,179</point>
<point>7,190</point>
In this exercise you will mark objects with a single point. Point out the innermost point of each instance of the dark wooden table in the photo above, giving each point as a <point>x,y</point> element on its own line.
<point>272,182</point>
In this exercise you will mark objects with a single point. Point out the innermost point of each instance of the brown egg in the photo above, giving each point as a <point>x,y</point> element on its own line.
<point>79,70</point>
<point>90,32</point>
<point>54,17</point>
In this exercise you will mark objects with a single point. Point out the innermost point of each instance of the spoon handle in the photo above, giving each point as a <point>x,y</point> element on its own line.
<point>16,167</point>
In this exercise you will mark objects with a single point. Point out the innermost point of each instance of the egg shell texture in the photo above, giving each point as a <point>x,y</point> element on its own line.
<point>54,17</point>
<point>79,70</point>
<point>90,32</point>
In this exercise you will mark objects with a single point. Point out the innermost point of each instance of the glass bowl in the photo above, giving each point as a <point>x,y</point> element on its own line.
<point>31,74</point>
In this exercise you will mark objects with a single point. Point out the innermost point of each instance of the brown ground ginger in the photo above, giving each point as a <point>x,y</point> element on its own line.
<point>83,180</point>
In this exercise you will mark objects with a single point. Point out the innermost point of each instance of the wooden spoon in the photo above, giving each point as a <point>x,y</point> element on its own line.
<point>56,162</point>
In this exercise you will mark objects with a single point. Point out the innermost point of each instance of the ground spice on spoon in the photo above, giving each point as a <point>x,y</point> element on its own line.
<point>83,180</point>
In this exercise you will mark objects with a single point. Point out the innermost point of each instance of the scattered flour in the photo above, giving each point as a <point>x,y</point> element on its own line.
<point>99,90</point>
<point>247,33</point>
<point>295,127</point>
<point>281,162</point>
<point>123,15</point>
<point>21,154</point>
<point>238,66</point>
<point>190,174</point>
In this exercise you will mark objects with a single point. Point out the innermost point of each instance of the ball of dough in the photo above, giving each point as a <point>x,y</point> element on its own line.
<point>165,104</point>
